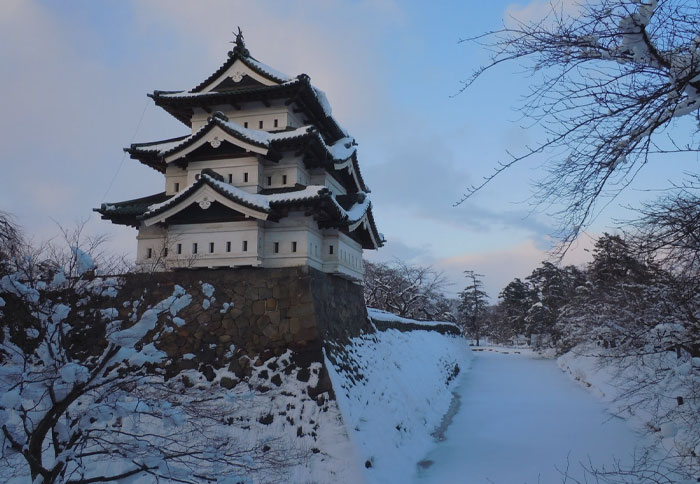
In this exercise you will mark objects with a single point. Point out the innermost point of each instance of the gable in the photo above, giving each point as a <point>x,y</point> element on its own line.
<point>215,138</point>
<point>195,214</point>
<point>204,197</point>
<point>238,75</point>
<point>229,84</point>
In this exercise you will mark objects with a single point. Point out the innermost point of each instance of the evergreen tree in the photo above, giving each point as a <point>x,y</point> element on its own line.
<point>516,300</point>
<point>473,304</point>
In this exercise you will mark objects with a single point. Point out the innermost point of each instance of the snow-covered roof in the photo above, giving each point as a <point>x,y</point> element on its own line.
<point>311,99</point>
<point>356,215</point>
<point>341,153</point>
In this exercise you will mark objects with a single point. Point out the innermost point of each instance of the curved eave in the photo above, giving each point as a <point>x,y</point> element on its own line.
<point>149,159</point>
<point>128,211</point>
<point>373,239</point>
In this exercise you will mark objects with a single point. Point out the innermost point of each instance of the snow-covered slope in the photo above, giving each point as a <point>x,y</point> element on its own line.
<point>393,389</point>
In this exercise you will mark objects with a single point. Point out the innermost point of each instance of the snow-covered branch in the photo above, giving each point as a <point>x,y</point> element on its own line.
<point>609,81</point>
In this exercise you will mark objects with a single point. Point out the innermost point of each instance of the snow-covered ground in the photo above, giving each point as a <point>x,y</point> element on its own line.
<point>522,420</point>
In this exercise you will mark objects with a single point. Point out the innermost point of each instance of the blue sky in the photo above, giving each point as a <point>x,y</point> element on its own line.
<point>76,73</point>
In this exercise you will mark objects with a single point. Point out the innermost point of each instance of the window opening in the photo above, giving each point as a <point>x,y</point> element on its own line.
<point>245,246</point>
<point>194,248</point>
<point>277,247</point>
<point>294,246</point>
<point>179,248</point>
<point>211,247</point>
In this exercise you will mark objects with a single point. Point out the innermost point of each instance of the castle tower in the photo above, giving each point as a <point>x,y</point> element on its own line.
<point>266,178</point>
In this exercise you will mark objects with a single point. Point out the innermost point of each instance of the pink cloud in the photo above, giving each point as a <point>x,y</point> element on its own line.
<point>499,267</point>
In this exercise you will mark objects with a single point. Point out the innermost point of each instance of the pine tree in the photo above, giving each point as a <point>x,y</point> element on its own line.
<point>473,304</point>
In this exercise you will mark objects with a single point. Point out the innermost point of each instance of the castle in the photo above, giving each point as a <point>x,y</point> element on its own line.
<point>266,178</point>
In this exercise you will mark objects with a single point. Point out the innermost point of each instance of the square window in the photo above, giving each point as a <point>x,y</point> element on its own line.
<point>276,123</point>
<point>284,179</point>
<point>294,246</point>
<point>177,187</point>
<point>228,246</point>
<point>245,177</point>
<point>330,249</point>
<point>194,248</point>
<point>260,124</point>
<point>179,248</point>
<point>245,246</point>
<point>230,178</point>
<point>211,247</point>
<point>277,247</point>
<point>149,253</point>
<point>269,181</point>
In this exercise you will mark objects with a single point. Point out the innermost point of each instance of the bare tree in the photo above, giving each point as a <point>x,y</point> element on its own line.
<point>10,242</point>
<point>406,290</point>
<point>610,80</point>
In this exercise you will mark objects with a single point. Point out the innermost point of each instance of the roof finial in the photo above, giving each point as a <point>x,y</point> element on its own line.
<point>240,47</point>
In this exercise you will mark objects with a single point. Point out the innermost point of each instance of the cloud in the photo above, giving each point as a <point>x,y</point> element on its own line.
<point>499,267</point>
<point>424,173</point>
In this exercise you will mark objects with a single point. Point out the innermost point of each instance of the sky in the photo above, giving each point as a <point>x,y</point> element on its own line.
<point>76,73</point>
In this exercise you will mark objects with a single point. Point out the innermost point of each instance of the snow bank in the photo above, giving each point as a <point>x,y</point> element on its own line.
<point>654,391</point>
<point>379,314</point>
<point>393,389</point>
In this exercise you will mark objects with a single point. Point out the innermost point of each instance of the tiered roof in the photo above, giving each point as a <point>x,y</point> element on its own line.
<point>323,143</point>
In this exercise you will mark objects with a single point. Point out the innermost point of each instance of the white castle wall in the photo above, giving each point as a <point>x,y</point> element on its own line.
<point>313,246</point>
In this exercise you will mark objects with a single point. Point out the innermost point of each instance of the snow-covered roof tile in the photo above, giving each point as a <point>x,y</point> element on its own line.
<point>274,73</point>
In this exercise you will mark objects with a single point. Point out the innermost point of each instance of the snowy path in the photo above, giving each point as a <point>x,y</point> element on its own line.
<point>519,419</point>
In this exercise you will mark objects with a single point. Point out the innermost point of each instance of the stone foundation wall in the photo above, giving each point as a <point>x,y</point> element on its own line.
<point>260,311</point>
